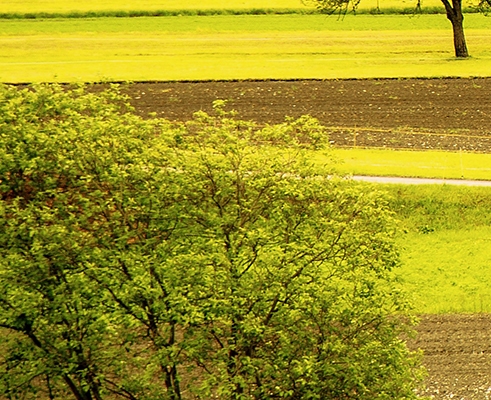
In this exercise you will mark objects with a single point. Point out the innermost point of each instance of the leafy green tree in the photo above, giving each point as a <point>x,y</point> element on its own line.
<point>56,149</point>
<point>453,10</point>
<point>304,304</point>
<point>142,259</point>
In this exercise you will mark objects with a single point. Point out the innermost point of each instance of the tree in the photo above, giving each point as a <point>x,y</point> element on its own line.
<point>58,150</point>
<point>302,280</point>
<point>142,259</point>
<point>453,11</point>
<point>456,18</point>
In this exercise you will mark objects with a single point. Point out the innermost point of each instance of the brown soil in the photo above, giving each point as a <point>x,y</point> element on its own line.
<point>457,355</point>
<point>446,114</point>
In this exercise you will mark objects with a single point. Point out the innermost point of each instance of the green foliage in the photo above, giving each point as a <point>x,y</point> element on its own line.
<point>157,13</point>
<point>484,6</point>
<point>58,151</point>
<point>145,260</point>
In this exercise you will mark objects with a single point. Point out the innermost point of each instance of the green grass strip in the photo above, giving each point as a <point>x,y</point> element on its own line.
<point>427,164</point>
<point>78,8</point>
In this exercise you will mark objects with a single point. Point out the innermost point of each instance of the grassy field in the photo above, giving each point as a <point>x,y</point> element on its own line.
<point>93,5</point>
<point>444,242</point>
<point>32,6</point>
<point>427,164</point>
<point>446,230</point>
<point>447,271</point>
<point>238,47</point>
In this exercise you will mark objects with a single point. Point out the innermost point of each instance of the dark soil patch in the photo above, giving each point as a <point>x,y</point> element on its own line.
<point>457,355</point>
<point>444,114</point>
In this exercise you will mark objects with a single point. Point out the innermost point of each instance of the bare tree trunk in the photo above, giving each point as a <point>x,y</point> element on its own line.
<point>459,40</point>
<point>455,16</point>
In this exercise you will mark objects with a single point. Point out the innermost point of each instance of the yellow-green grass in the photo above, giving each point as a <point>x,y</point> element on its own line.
<point>61,6</point>
<point>424,164</point>
<point>444,243</point>
<point>447,271</point>
<point>238,47</point>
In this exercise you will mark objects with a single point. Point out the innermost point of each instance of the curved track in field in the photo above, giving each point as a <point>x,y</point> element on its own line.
<point>444,114</point>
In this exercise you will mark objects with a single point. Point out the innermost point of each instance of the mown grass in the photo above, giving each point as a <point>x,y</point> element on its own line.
<point>238,47</point>
<point>242,24</point>
<point>94,5</point>
<point>427,164</point>
<point>444,243</point>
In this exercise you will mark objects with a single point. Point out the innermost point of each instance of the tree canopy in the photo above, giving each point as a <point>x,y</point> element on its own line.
<point>144,259</point>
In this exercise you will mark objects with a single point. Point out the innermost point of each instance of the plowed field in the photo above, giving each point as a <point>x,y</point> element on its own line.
<point>446,114</point>
<point>449,114</point>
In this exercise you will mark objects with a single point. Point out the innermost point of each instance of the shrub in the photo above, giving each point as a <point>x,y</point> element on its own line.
<point>209,259</point>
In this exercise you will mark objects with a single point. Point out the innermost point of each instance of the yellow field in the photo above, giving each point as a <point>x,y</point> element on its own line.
<point>125,49</point>
<point>92,5</point>
<point>24,6</point>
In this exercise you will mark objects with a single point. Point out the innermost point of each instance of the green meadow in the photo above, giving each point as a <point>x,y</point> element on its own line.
<point>238,47</point>
<point>444,243</point>
<point>445,231</point>
<point>447,271</point>
<point>93,5</point>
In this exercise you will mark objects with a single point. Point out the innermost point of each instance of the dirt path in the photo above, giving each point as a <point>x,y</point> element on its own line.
<point>447,114</point>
